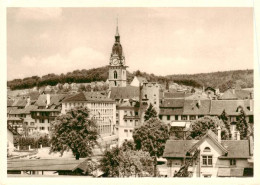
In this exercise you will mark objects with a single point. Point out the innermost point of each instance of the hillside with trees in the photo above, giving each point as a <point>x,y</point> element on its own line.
<point>221,80</point>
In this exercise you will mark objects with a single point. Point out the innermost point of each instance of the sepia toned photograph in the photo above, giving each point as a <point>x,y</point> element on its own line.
<point>130,92</point>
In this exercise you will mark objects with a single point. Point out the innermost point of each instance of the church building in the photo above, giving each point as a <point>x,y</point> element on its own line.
<point>117,67</point>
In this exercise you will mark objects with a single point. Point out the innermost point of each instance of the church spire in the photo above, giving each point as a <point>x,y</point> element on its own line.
<point>117,36</point>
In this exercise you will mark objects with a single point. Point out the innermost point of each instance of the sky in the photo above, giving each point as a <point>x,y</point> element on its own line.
<point>161,41</point>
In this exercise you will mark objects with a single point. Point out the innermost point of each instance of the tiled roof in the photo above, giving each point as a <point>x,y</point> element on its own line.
<point>78,97</point>
<point>178,148</point>
<point>10,103</point>
<point>34,95</point>
<point>87,96</point>
<point>29,108</point>
<point>43,164</point>
<point>197,96</point>
<point>167,111</point>
<point>56,99</point>
<point>243,94</point>
<point>230,107</point>
<point>16,111</point>
<point>231,148</point>
<point>173,95</point>
<point>141,79</point>
<point>172,103</point>
<point>124,92</point>
<point>236,148</point>
<point>19,103</point>
<point>195,107</point>
<point>14,119</point>
<point>41,101</point>
<point>228,95</point>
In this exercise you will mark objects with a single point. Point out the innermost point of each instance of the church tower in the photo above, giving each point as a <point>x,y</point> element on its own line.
<point>117,67</point>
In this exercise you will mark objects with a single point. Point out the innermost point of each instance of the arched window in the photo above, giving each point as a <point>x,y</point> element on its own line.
<point>206,149</point>
<point>115,75</point>
<point>115,83</point>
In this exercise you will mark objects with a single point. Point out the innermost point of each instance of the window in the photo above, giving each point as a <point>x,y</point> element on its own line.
<point>192,117</point>
<point>232,162</point>
<point>176,117</point>
<point>126,132</point>
<point>115,75</point>
<point>206,149</point>
<point>251,119</point>
<point>115,83</point>
<point>207,176</point>
<point>184,117</point>
<point>160,117</point>
<point>41,120</point>
<point>136,113</point>
<point>168,117</point>
<point>207,160</point>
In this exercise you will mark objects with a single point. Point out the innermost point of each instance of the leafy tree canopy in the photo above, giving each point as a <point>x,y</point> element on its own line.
<point>151,137</point>
<point>150,113</point>
<point>75,131</point>
<point>199,127</point>
<point>125,162</point>
<point>242,126</point>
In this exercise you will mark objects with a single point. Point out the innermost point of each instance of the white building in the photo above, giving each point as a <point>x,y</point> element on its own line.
<point>215,157</point>
<point>102,109</point>
<point>138,81</point>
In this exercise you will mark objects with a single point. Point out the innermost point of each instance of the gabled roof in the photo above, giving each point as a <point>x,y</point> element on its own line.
<point>228,95</point>
<point>87,96</point>
<point>230,148</point>
<point>174,111</point>
<point>178,148</point>
<point>128,92</point>
<point>78,97</point>
<point>34,95</point>
<point>19,103</point>
<point>196,107</point>
<point>243,94</point>
<point>43,164</point>
<point>10,103</point>
<point>41,101</point>
<point>236,148</point>
<point>141,79</point>
<point>230,107</point>
<point>172,103</point>
<point>213,137</point>
<point>176,95</point>
<point>29,108</point>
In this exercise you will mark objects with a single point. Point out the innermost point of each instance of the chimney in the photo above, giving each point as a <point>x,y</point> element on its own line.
<point>28,101</point>
<point>233,90</point>
<point>251,105</point>
<point>48,98</point>
<point>251,145</point>
<point>238,135</point>
<point>219,134</point>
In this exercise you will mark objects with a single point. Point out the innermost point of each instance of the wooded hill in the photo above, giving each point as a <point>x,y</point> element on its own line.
<point>221,80</point>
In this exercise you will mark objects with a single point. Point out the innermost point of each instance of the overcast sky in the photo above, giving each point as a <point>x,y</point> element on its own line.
<point>162,41</point>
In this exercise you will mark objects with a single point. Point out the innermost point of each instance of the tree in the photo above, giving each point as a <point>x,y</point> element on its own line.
<point>124,161</point>
<point>224,118</point>
<point>150,113</point>
<point>151,137</point>
<point>81,88</point>
<point>75,131</point>
<point>199,127</point>
<point>242,126</point>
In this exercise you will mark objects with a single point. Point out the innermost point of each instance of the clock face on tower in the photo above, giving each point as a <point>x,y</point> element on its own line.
<point>116,61</point>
